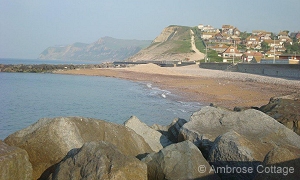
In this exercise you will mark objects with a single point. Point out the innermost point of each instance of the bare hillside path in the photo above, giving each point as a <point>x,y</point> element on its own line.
<point>194,48</point>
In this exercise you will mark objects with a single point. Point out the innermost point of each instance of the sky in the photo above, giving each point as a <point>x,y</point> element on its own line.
<point>28,27</point>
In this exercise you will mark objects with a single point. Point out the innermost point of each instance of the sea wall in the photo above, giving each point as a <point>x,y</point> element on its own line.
<point>216,66</point>
<point>276,70</point>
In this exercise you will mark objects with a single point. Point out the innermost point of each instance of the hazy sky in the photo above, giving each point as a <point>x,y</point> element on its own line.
<point>27,27</point>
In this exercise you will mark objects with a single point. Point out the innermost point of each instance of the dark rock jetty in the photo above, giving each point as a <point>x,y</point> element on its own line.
<point>48,68</point>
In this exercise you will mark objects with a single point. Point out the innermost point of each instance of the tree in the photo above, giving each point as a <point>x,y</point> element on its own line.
<point>265,46</point>
<point>292,48</point>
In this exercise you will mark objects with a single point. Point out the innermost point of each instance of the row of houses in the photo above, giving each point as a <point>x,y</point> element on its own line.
<point>255,41</point>
<point>226,39</point>
<point>232,53</point>
<point>229,34</point>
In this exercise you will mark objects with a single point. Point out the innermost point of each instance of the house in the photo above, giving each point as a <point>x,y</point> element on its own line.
<point>207,35</point>
<point>253,42</point>
<point>230,30</point>
<point>236,39</point>
<point>231,52</point>
<point>284,37</point>
<point>271,53</point>
<point>208,28</point>
<point>294,34</point>
<point>256,59</point>
<point>289,56</point>
<point>236,32</point>
<point>283,34</point>
<point>282,49</point>
<point>219,47</point>
<point>259,32</point>
<point>227,29</point>
<point>249,55</point>
<point>221,38</point>
<point>276,43</point>
<point>200,26</point>
<point>264,36</point>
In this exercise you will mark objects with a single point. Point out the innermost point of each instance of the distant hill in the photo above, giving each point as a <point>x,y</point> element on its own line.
<point>105,49</point>
<point>174,43</point>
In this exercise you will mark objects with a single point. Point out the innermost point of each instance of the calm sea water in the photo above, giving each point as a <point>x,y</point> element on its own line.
<point>27,97</point>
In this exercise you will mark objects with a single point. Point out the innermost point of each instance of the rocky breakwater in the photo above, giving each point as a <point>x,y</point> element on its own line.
<point>286,110</point>
<point>14,163</point>
<point>48,68</point>
<point>48,141</point>
<point>240,141</point>
<point>215,143</point>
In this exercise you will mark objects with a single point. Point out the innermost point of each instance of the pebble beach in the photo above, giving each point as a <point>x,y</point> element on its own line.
<point>191,83</point>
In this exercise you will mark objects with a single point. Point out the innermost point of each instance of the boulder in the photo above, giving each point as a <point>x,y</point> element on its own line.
<point>172,130</point>
<point>286,110</point>
<point>279,164</point>
<point>14,163</point>
<point>154,138</point>
<point>99,160</point>
<point>178,161</point>
<point>160,128</point>
<point>48,140</point>
<point>234,150</point>
<point>210,122</point>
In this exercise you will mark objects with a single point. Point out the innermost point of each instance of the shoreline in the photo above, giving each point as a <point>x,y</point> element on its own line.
<point>192,84</point>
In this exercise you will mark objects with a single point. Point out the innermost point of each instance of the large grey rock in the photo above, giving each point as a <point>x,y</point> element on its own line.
<point>286,110</point>
<point>161,128</point>
<point>210,122</point>
<point>178,161</point>
<point>48,140</point>
<point>154,138</point>
<point>285,164</point>
<point>172,130</point>
<point>99,160</point>
<point>234,150</point>
<point>14,163</point>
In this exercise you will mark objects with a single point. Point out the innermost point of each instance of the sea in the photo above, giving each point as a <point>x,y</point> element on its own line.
<point>27,97</point>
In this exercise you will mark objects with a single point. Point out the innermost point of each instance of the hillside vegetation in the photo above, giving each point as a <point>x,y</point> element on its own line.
<point>200,44</point>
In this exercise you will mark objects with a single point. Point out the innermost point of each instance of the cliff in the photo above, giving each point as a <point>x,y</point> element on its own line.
<point>105,49</point>
<point>174,43</point>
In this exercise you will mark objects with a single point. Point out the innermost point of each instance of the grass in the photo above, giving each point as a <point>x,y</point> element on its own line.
<point>181,43</point>
<point>181,46</point>
<point>211,54</point>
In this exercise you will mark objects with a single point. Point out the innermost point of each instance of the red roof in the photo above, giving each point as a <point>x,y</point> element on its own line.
<point>231,49</point>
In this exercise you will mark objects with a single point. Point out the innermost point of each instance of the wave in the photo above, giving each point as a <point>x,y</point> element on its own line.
<point>155,91</point>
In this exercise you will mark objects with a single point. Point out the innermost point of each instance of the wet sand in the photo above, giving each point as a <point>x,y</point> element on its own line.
<point>200,85</point>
